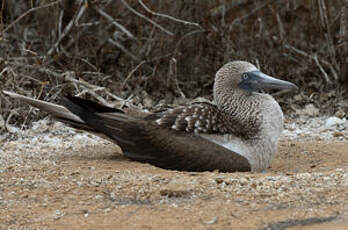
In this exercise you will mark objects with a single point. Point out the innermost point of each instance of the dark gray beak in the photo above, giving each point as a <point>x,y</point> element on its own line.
<point>256,80</point>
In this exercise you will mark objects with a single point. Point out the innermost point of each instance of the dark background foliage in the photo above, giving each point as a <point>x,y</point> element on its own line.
<point>165,51</point>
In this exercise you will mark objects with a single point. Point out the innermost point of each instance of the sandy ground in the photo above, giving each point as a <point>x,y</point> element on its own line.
<point>55,178</point>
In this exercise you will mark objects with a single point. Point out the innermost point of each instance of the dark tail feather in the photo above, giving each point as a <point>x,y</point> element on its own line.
<point>83,114</point>
<point>102,119</point>
<point>59,112</point>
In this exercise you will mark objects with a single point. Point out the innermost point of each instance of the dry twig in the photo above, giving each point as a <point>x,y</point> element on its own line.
<point>326,24</point>
<point>343,28</point>
<point>131,73</point>
<point>146,18</point>
<point>280,27</point>
<point>317,61</point>
<point>28,12</point>
<point>121,47</point>
<point>68,28</point>
<point>183,38</point>
<point>90,88</point>
<point>115,23</point>
<point>167,16</point>
<point>252,12</point>
<point>172,74</point>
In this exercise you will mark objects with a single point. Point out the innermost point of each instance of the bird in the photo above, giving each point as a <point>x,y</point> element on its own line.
<point>237,131</point>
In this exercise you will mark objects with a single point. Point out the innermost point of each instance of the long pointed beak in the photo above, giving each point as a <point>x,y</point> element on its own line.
<point>257,80</point>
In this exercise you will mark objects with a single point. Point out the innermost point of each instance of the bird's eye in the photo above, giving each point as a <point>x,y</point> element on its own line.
<point>244,76</point>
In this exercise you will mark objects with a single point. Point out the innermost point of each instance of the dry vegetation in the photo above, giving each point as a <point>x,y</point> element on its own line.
<point>149,51</point>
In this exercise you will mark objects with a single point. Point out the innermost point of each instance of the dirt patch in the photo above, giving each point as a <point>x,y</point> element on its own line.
<point>77,185</point>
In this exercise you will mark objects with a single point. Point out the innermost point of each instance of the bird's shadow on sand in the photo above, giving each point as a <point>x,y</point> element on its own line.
<point>95,153</point>
<point>118,157</point>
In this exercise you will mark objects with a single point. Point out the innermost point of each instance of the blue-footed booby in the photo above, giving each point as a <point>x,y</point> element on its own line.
<point>238,131</point>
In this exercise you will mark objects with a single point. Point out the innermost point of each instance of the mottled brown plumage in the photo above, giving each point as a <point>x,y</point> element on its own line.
<point>237,132</point>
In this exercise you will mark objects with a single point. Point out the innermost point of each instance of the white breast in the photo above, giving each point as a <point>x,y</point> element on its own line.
<point>234,144</point>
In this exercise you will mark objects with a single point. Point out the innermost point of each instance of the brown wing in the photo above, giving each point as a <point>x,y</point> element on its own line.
<point>195,118</point>
<point>148,141</point>
<point>175,150</point>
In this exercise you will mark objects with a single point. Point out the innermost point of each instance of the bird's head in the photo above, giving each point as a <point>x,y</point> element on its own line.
<point>244,77</point>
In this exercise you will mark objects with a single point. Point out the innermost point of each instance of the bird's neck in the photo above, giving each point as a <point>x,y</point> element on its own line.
<point>257,121</point>
<point>242,112</point>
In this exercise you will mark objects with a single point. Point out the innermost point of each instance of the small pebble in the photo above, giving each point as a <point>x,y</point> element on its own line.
<point>331,121</point>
